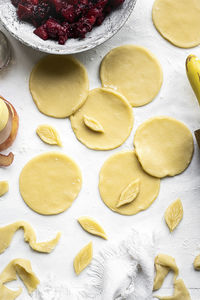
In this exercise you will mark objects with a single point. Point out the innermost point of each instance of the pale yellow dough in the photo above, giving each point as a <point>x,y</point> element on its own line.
<point>4,187</point>
<point>7,233</point>
<point>50,182</point>
<point>117,173</point>
<point>163,265</point>
<point>90,225</point>
<point>164,146</point>
<point>134,72</point>
<point>83,258</point>
<point>22,268</point>
<point>196,263</point>
<point>174,214</point>
<point>48,135</point>
<point>104,122</point>
<point>178,21</point>
<point>59,85</point>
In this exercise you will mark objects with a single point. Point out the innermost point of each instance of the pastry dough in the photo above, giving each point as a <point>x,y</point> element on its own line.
<point>174,214</point>
<point>134,72</point>
<point>196,263</point>
<point>91,226</point>
<point>83,258</point>
<point>178,21</point>
<point>48,135</point>
<point>163,265</point>
<point>104,122</point>
<point>117,173</point>
<point>180,292</point>
<point>50,182</point>
<point>59,85</point>
<point>22,268</point>
<point>4,187</point>
<point>7,233</point>
<point>164,146</point>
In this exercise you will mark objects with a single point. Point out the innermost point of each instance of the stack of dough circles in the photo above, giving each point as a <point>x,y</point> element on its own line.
<point>113,114</point>
<point>164,146</point>
<point>117,173</point>
<point>59,85</point>
<point>178,21</point>
<point>134,72</point>
<point>50,182</point>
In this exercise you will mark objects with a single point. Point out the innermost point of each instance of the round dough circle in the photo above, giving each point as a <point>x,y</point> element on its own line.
<point>134,72</point>
<point>164,146</point>
<point>112,111</point>
<point>117,172</point>
<point>178,21</point>
<point>50,182</point>
<point>59,85</point>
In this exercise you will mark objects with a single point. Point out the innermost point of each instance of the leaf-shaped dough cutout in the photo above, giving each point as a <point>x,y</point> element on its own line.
<point>83,258</point>
<point>93,124</point>
<point>174,214</point>
<point>129,193</point>
<point>91,226</point>
<point>49,135</point>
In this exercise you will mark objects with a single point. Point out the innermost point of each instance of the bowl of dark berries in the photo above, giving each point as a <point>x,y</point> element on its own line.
<point>64,26</point>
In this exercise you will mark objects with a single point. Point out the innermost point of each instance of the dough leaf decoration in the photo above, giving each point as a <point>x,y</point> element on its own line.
<point>49,135</point>
<point>83,258</point>
<point>23,269</point>
<point>163,265</point>
<point>197,263</point>
<point>93,124</point>
<point>91,226</point>
<point>174,214</point>
<point>180,292</point>
<point>4,187</point>
<point>130,193</point>
<point>7,233</point>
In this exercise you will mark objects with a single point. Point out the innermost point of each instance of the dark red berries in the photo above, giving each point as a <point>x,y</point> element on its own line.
<point>63,19</point>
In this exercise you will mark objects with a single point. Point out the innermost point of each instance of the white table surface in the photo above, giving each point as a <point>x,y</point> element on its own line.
<point>175,99</point>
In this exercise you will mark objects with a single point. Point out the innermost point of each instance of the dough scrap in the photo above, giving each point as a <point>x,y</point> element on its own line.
<point>174,214</point>
<point>4,187</point>
<point>164,146</point>
<point>7,233</point>
<point>83,258</point>
<point>178,21</point>
<point>59,85</point>
<point>134,72</point>
<point>49,135</point>
<point>180,292</point>
<point>163,265</point>
<point>196,263</point>
<point>50,182</point>
<point>117,172</point>
<point>109,109</point>
<point>23,269</point>
<point>91,226</point>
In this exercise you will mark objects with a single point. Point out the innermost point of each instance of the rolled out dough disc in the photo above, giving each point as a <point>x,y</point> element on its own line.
<point>164,146</point>
<point>50,182</point>
<point>134,72</point>
<point>117,173</point>
<point>59,85</point>
<point>113,114</point>
<point>178,21</point>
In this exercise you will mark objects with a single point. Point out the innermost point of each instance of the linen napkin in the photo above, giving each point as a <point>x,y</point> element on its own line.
<point>123,270</point>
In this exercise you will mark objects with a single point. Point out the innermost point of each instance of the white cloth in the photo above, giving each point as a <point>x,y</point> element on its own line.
<point>124,270</point>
